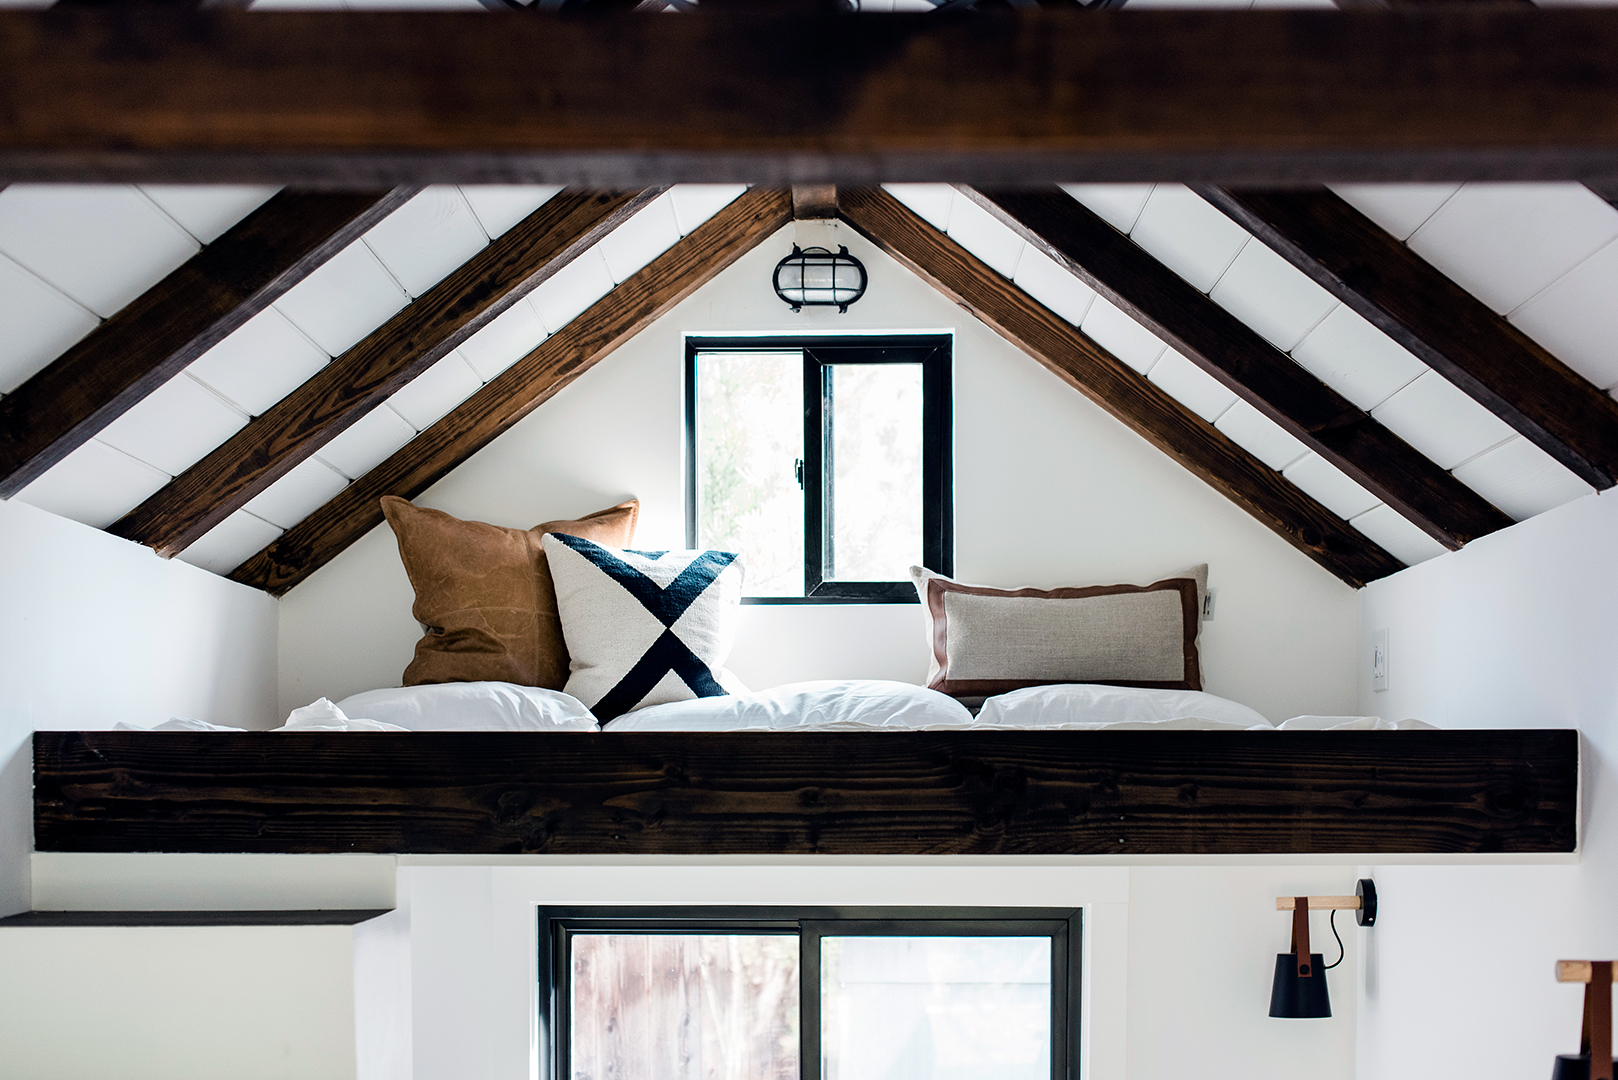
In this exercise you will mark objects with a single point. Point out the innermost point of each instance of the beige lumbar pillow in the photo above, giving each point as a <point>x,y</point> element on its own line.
<point>986,640</point>
<point>485,593</point>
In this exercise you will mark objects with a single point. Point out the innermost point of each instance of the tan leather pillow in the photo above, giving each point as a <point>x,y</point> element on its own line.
<point>485,593</point>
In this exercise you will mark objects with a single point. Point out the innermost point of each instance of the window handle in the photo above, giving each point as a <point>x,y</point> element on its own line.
<point>797,471</point>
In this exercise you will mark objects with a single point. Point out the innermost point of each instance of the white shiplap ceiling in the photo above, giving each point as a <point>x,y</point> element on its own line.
<point>1545,256</point>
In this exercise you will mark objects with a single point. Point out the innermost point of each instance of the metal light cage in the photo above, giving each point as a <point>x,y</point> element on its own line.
<point>815,277</point>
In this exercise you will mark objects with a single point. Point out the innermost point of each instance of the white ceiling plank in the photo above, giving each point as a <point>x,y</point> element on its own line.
<point>344,300</point>
<point>261,363</point>
<point>504,340</point>
<point>102,245</point>
<point>1119,205</point>
<point>1191,386</point>
<point>650,232</point>
<point>979,232</point>
<point>37,324</point>
<point>1272,296</point>
<point>427,237</point>
<point>1521,479</point>
<point>427,397</point>
<point>1041,277</point>
<point>1439,420</point>
<point>571,289</point>
<point>1356,359</point>
<point>231,543</point>
<point>1260,436</point>
<point>1400,209</point>
<point>305,488</point>
<point>696,203</point>
<point>95,485</point>
<point>1188,235</point>
<point>207,210</point>
<point>1577,317</point>
<point>368,442</point>
<point>1505,242</point>
<point>500,206</point>
<point>174,426</point>
<point>1122,336</point>
<point>1329,486</point>
<point>1401,539</point>
<point>930,202</point>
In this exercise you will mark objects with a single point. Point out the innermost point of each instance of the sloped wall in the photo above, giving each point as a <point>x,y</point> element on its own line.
<point>95,630</point>
<point>1049,490</point>
<point>1519,629</point>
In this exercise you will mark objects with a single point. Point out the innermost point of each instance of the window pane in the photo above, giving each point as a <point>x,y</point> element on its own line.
<point>935,1008</point>
<point>875,478</point>
<point>684,1007</point>
<point>749,440</point>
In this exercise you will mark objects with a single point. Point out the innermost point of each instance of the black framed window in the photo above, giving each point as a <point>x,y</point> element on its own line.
<point>825,461</point>
<point>809,994</point>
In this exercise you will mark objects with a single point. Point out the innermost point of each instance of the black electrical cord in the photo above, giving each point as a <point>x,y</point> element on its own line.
<point>1341,952</point>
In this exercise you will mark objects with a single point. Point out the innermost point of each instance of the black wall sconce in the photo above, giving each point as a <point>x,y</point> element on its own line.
<point>815,277</point>
<point>1299,989</point>
<point>1595,1041</point>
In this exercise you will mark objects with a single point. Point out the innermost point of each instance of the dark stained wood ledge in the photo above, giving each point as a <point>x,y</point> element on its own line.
<point>76,919</point>
<point>834,793</point>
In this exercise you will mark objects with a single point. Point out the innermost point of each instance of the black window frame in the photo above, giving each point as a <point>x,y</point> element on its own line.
<point>1062,925</point>
<point>935,353</point>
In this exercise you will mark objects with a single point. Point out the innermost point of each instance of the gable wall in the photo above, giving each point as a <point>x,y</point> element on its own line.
<point>1050,490</point>
<point>1519,629</point>
<point>95,630</point>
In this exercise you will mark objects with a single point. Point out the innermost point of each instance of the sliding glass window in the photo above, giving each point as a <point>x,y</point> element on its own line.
<point>813,994</point>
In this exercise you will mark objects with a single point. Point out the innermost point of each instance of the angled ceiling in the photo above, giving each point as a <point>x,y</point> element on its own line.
<point>1541,260</point>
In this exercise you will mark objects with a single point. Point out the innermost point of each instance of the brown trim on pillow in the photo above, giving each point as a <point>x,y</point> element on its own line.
<point>938,587</point>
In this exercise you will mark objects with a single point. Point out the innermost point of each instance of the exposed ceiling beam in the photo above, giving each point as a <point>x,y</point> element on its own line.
<point>191,310</point>
<point>564,356</point>
<point>148,93</point>
<point>1196,444</point>
<point>1437,320</point>
<point>1258,372</point>
<point>417,337</point>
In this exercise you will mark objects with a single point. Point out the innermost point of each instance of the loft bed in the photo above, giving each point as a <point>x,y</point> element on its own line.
<point>966,792</point>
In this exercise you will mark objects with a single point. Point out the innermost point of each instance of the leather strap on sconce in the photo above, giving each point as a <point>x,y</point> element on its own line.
<point>1300,940</point>
<point>1596,1039</point>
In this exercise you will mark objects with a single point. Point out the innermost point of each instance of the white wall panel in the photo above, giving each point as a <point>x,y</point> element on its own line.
<point>1440,421</point>
<point>1188,235</point>
<point>1119,205</point>
<point>571,290</point>
<point>979,232</point>
<point>504,340</point>
<point>1521,479</point>
<point>931,202</point>
<point>1401,538</point>
<point>1192,387</point>
<point>1260,436</point>
<point>1122,336</point>
<point>94,485</point>
<point>262,362</point>
<point>427,237</point>
<point>37,324</point>
<point>1400,209</point>
<point>231,543</point>
<point>368,442</point>
<point>174,426</point>
<point>1577,318</point>
<point>306,487</point>
<point>435,392</point>
<point>1356,359</point>
<point>500,206</point>
<point>1045,280</point>
<point>1330,486</point>
<point>641,239</point>
<point>1272,296</point>
<point>207,210</point>
<point>344,300</point>
<point>696,203</point>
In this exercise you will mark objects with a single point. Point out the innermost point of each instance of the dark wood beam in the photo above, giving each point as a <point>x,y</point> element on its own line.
<point>190,311</point>
<point>420,335</point>
<point>1258,372</point>
<point>810,793</point>
<point>1196,444</point>
<point>143,93</point>
<point>522,388</point>
<point>1458,336</point>
<point>1608,190</point>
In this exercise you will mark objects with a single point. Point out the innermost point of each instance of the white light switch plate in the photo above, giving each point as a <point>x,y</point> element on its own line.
<point>1379,660</point>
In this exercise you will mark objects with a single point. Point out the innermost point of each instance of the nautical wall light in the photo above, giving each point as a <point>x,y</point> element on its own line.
<point>814,277</point>
<point>1595,1042</point>
<point>1299,989</point>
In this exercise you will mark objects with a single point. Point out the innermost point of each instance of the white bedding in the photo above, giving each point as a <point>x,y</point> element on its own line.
<point>849,704</point>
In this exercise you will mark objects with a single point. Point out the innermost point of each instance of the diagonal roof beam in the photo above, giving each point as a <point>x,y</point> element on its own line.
<point>641,299</point>
<point>1258,372</point>
<point>1406,298</point>
<point>1186,437</point>
<point>190,311</point>
<point>420,335</point>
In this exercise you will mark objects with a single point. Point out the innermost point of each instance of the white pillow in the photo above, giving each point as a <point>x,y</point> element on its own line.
<point>645,627</point>
<point>177,723</point>
<point>471,706</point>
<point>849,703</point>
<point>1092,704</point>
<point>1351,723</point>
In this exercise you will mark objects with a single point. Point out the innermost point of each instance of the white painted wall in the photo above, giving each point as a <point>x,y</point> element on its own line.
<point>1049,490</point>
<point>1519,629</point>
<point>95,630</point>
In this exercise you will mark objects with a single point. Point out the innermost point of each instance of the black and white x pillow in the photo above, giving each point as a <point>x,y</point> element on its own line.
<point>645,627</point>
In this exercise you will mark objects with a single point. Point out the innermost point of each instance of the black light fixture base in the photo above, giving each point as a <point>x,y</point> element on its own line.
<point>1574,1067</point>
<point>1366,891</point>
<point>1299,998</point>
